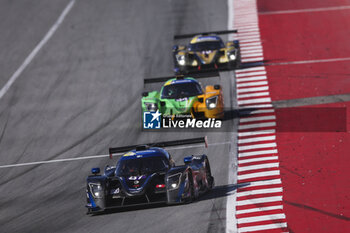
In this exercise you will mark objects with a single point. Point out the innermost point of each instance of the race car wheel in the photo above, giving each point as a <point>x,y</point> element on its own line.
<point>238,61</point>
<point>191,189</point>
<point>231,65</point>
<point>210,179</point>
<point>183,70</point>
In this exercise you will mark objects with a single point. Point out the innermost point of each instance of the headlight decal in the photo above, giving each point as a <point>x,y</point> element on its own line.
<point>152,107</point>
<point>181,60</point>
<point>96,190</point>
<point>174,181</point>
<point>232,56</point>
<point>211,102</point>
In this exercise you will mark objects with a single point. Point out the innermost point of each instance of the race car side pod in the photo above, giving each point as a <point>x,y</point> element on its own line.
<point>181,142</point>
<point>194,75</point>
<point>183,36</point>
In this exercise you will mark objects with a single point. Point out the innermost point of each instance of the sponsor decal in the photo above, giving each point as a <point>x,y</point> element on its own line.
<point>151,120</point>
<point>155,120</point>
<point>187,123</point>
<point>137,177</point>
<point>129,154</point>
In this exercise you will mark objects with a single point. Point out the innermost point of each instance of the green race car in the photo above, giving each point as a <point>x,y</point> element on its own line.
<point>185,96</point>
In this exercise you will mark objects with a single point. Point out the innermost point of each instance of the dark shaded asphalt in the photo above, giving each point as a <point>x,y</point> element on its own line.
<point>80,95</point>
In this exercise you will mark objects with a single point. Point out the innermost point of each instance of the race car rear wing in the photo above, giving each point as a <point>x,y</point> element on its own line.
<point>181,142</point>
<point>183,36</point>
<point>193,75</point>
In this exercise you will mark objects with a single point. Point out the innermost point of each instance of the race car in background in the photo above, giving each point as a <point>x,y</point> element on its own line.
<point>147,174</point>
<point>185,95</point>
<point>206,51</point>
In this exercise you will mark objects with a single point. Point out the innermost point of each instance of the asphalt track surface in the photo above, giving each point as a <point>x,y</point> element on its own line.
<point>80,95</point>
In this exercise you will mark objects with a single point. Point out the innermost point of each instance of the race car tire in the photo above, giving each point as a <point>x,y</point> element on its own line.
<point>231,65</point>
<point>191,198</point>
<point>209,177</point>
<point>183,70</point>
<point>238,60</point>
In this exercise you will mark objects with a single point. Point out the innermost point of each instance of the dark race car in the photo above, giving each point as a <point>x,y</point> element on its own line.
<point>206,51</point>
<point>148,175</point>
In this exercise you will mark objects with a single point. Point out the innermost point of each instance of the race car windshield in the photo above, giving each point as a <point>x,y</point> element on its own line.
<point>140,166</point>
<point>181,90</point>
<point>206,45</point>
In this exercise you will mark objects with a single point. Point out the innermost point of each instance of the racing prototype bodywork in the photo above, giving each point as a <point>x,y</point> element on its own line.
<point>185,96</point>
<point>148,175</point>
<point>206,51</point>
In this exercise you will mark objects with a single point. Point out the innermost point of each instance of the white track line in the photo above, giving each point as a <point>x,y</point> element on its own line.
<point>268,158</point>
<point>244,55</point>
<point>247,74</point>
<point>262,227</point>
<point>261,218</point>
<point>256,146</point>
<point>249,40</point>
<point>259,174</point>
<point>256,44</point>
<point>262,118</point>
<point>256,139</point>
<point>251,51</point>
<point>258,166</point>
<point>261,152</point>
<point>249,48</point>
<point>257,94</point>
<point>252,210</point>
<point>247,134</point>
<point>53,161</point>
<point>254,89</point>
<point>312,61</point>
<point>247,21</point>
<point>259,125</point>
<point>251,84</point>
<point>249,37</point>
<point>259,200</point>
<point>335,8</point>
<point>251,33</point>
<point>257,106</point>
<point>247,70</point>
<point>261,183</point>
<point>249,29</point>
<point>255,101</point>
<point>259,191</point>
<point>256,78</point>
<point>246,14</point>
<point>35,51</point>
<point>257,59</point>
<point>249,25</point>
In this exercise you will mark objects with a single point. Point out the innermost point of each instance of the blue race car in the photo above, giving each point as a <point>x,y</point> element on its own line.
<point>147,175</point>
